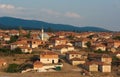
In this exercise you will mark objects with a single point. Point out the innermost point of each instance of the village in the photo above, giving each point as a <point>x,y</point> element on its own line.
<point>95,54</point>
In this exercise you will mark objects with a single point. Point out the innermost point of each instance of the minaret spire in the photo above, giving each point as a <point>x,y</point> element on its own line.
<point>42,36</point>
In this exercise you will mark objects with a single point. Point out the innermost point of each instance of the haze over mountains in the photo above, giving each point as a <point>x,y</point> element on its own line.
<point>15,23</point>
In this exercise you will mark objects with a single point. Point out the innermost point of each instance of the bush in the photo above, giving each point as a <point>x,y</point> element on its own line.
<point>58,68</point>
<point>12,68</point>
<point>17,51</point>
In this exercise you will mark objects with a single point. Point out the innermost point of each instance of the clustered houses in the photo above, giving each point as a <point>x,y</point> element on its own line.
<point>69,44</point>
<point>98,62</point>
<point>26,44</point>
<point>76,58</point>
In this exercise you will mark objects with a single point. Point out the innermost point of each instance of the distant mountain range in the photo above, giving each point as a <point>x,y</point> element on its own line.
<point>15,23</point>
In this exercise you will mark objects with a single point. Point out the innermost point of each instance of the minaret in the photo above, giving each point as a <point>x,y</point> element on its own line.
<point>42,36</point>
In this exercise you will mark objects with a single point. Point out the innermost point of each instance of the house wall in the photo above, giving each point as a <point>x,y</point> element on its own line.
<point>74,56</point>
<point>84,44</point>
<point>34,46</point>
<point>63,50</point>
<point>7,39</point>
<point>105,68</point>
<point>49,60</point>
<point>106,60</point>
<point>77,62</point>
<point>70,48</point>
<point>15,46</point>
<point>93,68</point>
<point>118,56</point>
<point>102,48</point>
<point>78,44</point>
<point>26,50</point>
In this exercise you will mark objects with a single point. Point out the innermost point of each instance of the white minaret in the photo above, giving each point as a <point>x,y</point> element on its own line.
<point>42,36</point>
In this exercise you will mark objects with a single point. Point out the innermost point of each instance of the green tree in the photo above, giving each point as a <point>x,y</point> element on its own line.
<point>17,51</point>
<point>88,44</point>
<point>12,68</point>
<point>28,35</point>
<point>90,37</point>
<point>13,39</point>
<point>117,38</point>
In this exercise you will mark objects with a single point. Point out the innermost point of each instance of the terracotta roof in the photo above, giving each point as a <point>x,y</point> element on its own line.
<point>38,64</point>
<point>2,61</point>
<point>93,62</point>
<point>48,53</point>
<point>105,56</point>
<point>73,52</point>
<point>61,46</point>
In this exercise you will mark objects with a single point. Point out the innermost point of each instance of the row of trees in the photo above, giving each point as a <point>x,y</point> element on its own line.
<point>7,51</point>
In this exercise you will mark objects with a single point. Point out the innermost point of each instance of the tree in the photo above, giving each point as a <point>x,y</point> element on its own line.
<point>28,35</point>
<point>13,39</point>
<point>117,38</point>
<point>88,44</point>
<point>17,51</point>
<point>90,37</point>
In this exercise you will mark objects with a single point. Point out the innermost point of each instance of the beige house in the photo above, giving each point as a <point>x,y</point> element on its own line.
<point>13,32</point>
<point>59,41</point>
<point>34,43</point>
<point>73,54</point>
<point>116,43</point>
<point>77,61</point>
<point>63,48</point>
<point>49,57</point>
<point>100,46</point>
<point>106,59</point>
<point>91,66</point>
<point>117,54</point>
<point>25,49</point>
<point>6,38</point>
<point>105,67</point>
<point>19,44</point>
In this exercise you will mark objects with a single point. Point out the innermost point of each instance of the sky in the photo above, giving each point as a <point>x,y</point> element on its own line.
<point>97,13</point>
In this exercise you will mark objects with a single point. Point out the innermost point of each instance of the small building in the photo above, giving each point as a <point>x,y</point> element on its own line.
<point>34,43</point>
<point>116,43</point>
<point>77,61</point>
<point>117,54</point>
<point>106,59</point>
<point>100,46</point>
<point>73,54</point>
<point>91,66</point>
<point>6,38</point>
<point>37,65</point>
<point>63,48</point>
<point>49,57</point>
<point>25,49</point>
<point>59,41</point>
<point>105,67</point>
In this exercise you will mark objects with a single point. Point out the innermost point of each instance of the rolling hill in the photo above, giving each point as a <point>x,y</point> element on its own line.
<point>15,23</point>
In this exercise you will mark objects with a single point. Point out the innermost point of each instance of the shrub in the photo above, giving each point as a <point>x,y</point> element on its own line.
<point>12,68</point>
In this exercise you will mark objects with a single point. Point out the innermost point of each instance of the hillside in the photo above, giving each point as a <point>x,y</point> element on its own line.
<point>15,23</point>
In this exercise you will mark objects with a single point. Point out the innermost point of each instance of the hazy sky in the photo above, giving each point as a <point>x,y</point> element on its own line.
<point>99,13</point>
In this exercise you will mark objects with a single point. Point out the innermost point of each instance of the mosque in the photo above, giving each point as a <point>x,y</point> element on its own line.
<point>43,36</point>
